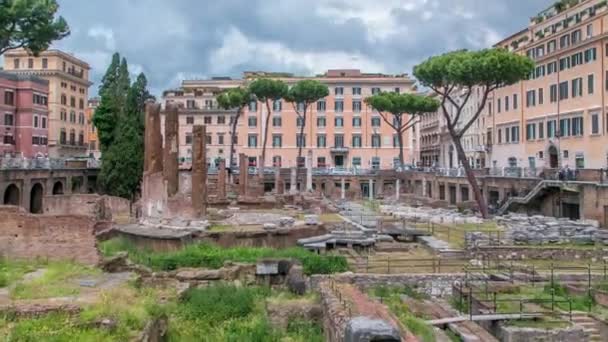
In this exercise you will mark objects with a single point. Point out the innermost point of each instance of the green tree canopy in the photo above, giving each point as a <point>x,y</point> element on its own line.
<point>30,24</point>
<point>455,76</point>
<point>399,105</point>
<point>306,92</point>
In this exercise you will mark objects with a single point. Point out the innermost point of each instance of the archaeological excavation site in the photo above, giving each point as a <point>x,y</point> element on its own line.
<point>293,254</point>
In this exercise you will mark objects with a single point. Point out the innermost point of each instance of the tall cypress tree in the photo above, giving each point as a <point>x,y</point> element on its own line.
<point>106,115</point>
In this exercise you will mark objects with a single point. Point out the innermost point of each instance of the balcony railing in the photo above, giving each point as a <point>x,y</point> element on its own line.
<point>16,163</point>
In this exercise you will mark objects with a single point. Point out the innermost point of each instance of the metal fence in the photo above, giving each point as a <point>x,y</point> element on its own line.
<point>9,163</point>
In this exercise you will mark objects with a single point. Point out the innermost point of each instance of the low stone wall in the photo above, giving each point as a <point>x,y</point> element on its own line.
<point>434,285</point>
<point>516,334</point>
<point>279,238</point>
<point>100,207</point>
<point>546,253</point>
<point>61,237</point>
<point>335,316</point>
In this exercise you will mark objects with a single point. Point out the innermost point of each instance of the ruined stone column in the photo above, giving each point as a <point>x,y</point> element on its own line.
<point>243,174</point>
<point>278,189</point>
<point>458,193</point>
<point>221,181</point>
<point>153,140</point>
<point>171,150</point>
<point>424,191</point>
<point>309,171</point>
<point>293,186</point>
<point>199,171</point>
<point>342,188</point>
<point>371,189</point>
<point>397,188</point>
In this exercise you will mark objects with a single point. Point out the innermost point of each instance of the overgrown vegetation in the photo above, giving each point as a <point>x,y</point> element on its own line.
<point>391,296</point>
<point>229,313</point>
<point>209,256</point>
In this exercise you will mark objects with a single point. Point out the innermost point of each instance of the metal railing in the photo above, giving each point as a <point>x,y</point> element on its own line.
<point>47,163</point>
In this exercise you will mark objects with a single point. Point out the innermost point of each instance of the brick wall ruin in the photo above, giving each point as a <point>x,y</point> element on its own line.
<point>53,237</point>
<point>105,208</point>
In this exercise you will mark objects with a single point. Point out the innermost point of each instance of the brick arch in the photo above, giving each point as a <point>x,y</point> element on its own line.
<point>36,196</point>
<point>58,188</point>
<point>12,195</point>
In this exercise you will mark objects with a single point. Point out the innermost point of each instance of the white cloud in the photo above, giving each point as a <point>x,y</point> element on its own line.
<point>238,49</point>
<point>107,34</point>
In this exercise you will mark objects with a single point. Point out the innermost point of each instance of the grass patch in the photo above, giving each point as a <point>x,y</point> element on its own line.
<point>391,296</point>
<point>128,307</point>
<point>209,256</point>
<point>13,271</point>
<point>220,228</point>
<point>58,280</point>
<point>229,313</point>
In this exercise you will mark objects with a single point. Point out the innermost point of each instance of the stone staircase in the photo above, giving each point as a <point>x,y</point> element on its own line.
<point>541,186</point>
<point>589,325</point>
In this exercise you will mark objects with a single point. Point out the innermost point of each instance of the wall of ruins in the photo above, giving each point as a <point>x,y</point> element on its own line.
<point>281,238</point>
<point>100,207</point>
<point>53,237</point>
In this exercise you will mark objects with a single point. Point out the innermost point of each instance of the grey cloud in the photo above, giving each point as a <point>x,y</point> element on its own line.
<point>171,38</point>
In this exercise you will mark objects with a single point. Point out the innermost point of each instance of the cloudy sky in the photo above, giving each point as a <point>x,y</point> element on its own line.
<point>186,39</point>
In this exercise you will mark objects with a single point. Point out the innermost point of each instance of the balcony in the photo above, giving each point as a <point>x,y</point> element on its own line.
<point>73,72</point>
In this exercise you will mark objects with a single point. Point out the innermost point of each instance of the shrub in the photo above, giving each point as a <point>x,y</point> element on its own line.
<point>220,302</point>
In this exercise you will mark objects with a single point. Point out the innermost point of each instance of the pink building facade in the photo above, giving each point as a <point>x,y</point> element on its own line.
<point>341,131</point>
<point>23,115</point>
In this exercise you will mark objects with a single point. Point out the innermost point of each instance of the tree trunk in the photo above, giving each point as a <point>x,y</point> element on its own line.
<point>400,139</point>
<point>300,147</point>
<point>479,197</point>
<point>261,167</point>
<point>234,124</point>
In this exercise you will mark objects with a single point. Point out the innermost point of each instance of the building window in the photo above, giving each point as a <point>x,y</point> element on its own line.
<point>563,90</point>
<point>506,103</point>
<point>356,162</point>
<point>376,122</point>
<point>540,96</point>
<point>277,121</point>
<point>553,93</point>
<point>579,160</point>
<point>299,121</point>
<point>356,106</point>
<point>498,106</point>
<point>515,134</point>
<point>277,106</point>
<point>301,140</point>
<point>190,104</point>
<point>376,140</point>
<point>35,121</point>
<point>253,106</point>
<point>44,123</point>
<point>321,162</point>
<point>188,138</point>
<point>321,141</point>
<point>252,140</point>
<point>16,63</point>
<point>72,137</point>
<point>8,120</point>
<point>45,63</point>
<point>375,163</point>
<point>356,91</point>
<point>589,30</point>
<point>551,129</point>
<point>221,120</point>
<point>577,126</point>
<point>375,91</point>
<point>72,102</point>
<point>220,139</point>
<point>339,106</point>
<point>515,102</point>
<point>356,122</point>
<point>397,90</point>
<point>530,98</point>
<point>577,87</point>
<point>321,122</point>
<point>339,122</point>
<point>356,140</point>
<point>500,136</point>
<point>531,131</point>
<point>277,140</point>
<point>321,105</point>
<point>208,140</point>
<point>595,123</point>
<point>9,98</point>
<point>276,161</point>
<point>81,138</point>
<point>339,91</point>
<point>39,100</point>
<point>564,41</point>
<point>252,121</point>
<point>338,141</point>
<point>207,120</point>
<point>189,120</point>
<point>590,84</point>
<point>564,128</point>
<point>62,137</point>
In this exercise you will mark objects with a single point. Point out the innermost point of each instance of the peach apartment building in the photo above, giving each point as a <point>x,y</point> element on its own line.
<point>92,138</point>
<point>341,130</point>
<point>557,117</point>
<point>69,84</point>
